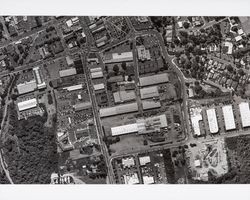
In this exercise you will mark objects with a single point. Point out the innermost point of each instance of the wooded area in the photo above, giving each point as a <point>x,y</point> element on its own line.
<point>33,157</point>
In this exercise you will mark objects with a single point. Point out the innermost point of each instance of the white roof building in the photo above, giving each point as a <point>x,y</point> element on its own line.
<point>212,121</point>
<point>27,87</point>
<point>124,129</point>
<point>245,114</point>
<point>67,72</point>
<point>128,162</point>
<point>131,179</point>
<point>148,179</point>
<point>228,117</point>
<point>99,86</point>
<point>141,126</point>
<point>28,104</point>
<point>196,117</point>
<point>97,74</point>
<point>144,160</point>
<point>230,47</point>
<point>119,57</point>
<point>73,87</point>
<point>238,38</point>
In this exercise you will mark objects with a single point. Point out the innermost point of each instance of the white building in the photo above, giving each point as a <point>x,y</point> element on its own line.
<point>212,121</point>
<point>118,57</point>
<point>228,117</point>
<point>128,162</point>
<point>143,53</point>
<point>245,114</point>
<point>196,117</point>
<point>124,129</point>
<point>131,179</point>
<point>148,179</point>
<point>144,160</point>
<point>73,87</point>
<point>28,104</point>
<point>99,86</point>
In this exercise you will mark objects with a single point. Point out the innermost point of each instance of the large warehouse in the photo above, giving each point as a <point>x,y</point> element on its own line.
<point>228,117</point>
<point>212,121</point>
<point>117,110</point>
<point>149,92</point>
<point>28,104</point>
<point>245,114</point>
<point>142,126</point>
<point>154,79</point>
<point>118,57</point>
<point>27,87</point>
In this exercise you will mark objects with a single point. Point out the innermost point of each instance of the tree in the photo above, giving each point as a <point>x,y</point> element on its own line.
<point>124,66</point>
<point>186,25</point>
<point>230,68</point>
<point>116,69</point>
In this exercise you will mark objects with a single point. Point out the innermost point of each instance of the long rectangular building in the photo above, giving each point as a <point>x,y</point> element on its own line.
<point>245,114</point>
<point>146,105</point>
<point>149,92</point>
<point>154,79</point>
<point>118,57</point>
<point>27,87</point>
<point>228,117</point>
<point>28,104</point>
<point>118,110</point>
<point>212,121</point>
<point>67,72</point>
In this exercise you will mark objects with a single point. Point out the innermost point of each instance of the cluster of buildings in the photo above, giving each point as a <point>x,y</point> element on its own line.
<point>229,118</point>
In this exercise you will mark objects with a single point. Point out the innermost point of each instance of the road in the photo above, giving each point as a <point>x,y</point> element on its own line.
<point>3,164</point>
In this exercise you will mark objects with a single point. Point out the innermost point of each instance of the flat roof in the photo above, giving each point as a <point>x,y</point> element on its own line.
<point>120,109</point>
<point>150,104</point>
<point>74,87</point>
<point>131,179</point>
<point>97,74</point>
<point>144,160</point>
<point>28,104</point>
<point>245,114</point>
<point>82,106</point>
<point>196,117</point>
<point>122,96</point>
<point>148,179</point>
<point>27,87</point>
<point>149,92</point>
<point>154,79</point>
<point>99,86</point>
<point>119,57</point>
<point>124,129</point>
<point>212,120</point>
<point>228,117</point>
<point>67,72</point>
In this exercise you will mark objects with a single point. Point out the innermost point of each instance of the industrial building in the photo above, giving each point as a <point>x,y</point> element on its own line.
<point>128,162</point>
<point>96,73</point>
<point>196,117</point>
<point>117,110</point>
<point>143,53</point>
<point>131,179</point>
<point>146,105</point>
<point>148,179</point>
<point>154,79</point>
<point>123,96</point>
<point>144,160</point>
<point>149,92</point>
<point>39,79</point>
<point>67,72</point>
<point>28,104</point>
<point>74,87</point>
<point>118,57</point>
<point>212,121</point>
<point>228,117</point>
<point>99,87</point>
<point>142,126</point>
<point>245,114</point>
<point>27,87</point>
